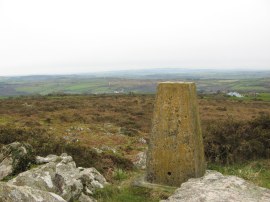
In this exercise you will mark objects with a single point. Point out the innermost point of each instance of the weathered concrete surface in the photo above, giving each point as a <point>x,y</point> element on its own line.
<point>176,148</point>
<point>213,186</point>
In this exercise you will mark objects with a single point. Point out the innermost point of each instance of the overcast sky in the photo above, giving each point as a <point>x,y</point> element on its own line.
<point>70,36</point>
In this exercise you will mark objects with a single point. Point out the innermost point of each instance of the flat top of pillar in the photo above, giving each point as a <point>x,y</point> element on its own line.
<point>176,82</point>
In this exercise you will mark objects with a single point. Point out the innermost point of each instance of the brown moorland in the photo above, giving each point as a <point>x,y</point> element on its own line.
<point>119,124</point>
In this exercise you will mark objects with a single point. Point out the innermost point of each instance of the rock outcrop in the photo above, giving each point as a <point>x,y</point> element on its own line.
<point>60,175</point>
<point>11,193</point>
<point>213,186</point>
<point>15,157</point>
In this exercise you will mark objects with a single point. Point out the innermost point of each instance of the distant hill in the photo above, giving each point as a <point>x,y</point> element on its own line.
<point>136,81</point>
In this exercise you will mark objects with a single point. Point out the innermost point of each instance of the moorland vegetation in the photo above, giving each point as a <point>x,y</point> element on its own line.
<point>236,135</point>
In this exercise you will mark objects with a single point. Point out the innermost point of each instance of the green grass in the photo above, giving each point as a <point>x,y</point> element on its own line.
<point>119,174</point>
<point>264,96</point>
<point>114,193</point>
<point>257,172</point>
<point>4,119</point>
<point>124,190</point>
<point>127,194</point>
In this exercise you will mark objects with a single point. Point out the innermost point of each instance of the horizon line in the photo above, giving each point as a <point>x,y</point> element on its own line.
<point>141,69</point>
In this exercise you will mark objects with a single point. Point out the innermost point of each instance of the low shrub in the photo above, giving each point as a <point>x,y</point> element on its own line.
<point>233,141</point>
<point>21,161</point>
<point>131,132</point>
<point>45,143</point>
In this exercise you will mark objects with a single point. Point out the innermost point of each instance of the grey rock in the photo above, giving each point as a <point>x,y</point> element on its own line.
<point>213,186</point>
<point>13,156</point>
<point>61,176</point>
<point>6,167</point>
<point>11,193</point>
<point>142,140</point>
<point>85,198</point>
<point>92,179</point>
<point>47,159</point>
<point>99,151</point>
<point>107,148</point>
<point>140,161</point>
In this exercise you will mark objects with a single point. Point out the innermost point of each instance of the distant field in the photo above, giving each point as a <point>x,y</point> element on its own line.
<point>264,96</point>
<point>258,97</point>
<point>77,85</point>
<point>95,86</point>
<point>246,97</point>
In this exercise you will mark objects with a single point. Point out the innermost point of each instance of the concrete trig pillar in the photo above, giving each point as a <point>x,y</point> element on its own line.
<point>176,147</point>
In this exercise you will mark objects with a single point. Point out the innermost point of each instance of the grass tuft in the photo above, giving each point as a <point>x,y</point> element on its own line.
<point>119,174</point>
<point>257,171</point>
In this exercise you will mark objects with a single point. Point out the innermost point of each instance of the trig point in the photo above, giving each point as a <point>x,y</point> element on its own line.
<point>176,147</point>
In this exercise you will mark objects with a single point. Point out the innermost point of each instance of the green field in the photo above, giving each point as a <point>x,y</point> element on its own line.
<point>257,97</point>
<point>207,83</point>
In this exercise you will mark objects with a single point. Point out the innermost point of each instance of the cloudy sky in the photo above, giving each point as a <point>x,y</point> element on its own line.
<point>72,36</point>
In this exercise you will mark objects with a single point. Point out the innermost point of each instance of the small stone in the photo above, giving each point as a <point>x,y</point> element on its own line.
<point>142,140</point>
<point>99,151</point>
<point>107,148</point>
<point>140,161</point>
<point>49,158</point>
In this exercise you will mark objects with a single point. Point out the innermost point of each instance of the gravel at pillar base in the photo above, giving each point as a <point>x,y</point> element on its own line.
<point>176,150</point>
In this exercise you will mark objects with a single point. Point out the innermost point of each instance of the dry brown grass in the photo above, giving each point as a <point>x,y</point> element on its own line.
<point>116,121</point>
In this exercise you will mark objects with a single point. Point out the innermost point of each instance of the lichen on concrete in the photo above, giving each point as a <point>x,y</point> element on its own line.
<point>176,147</point>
